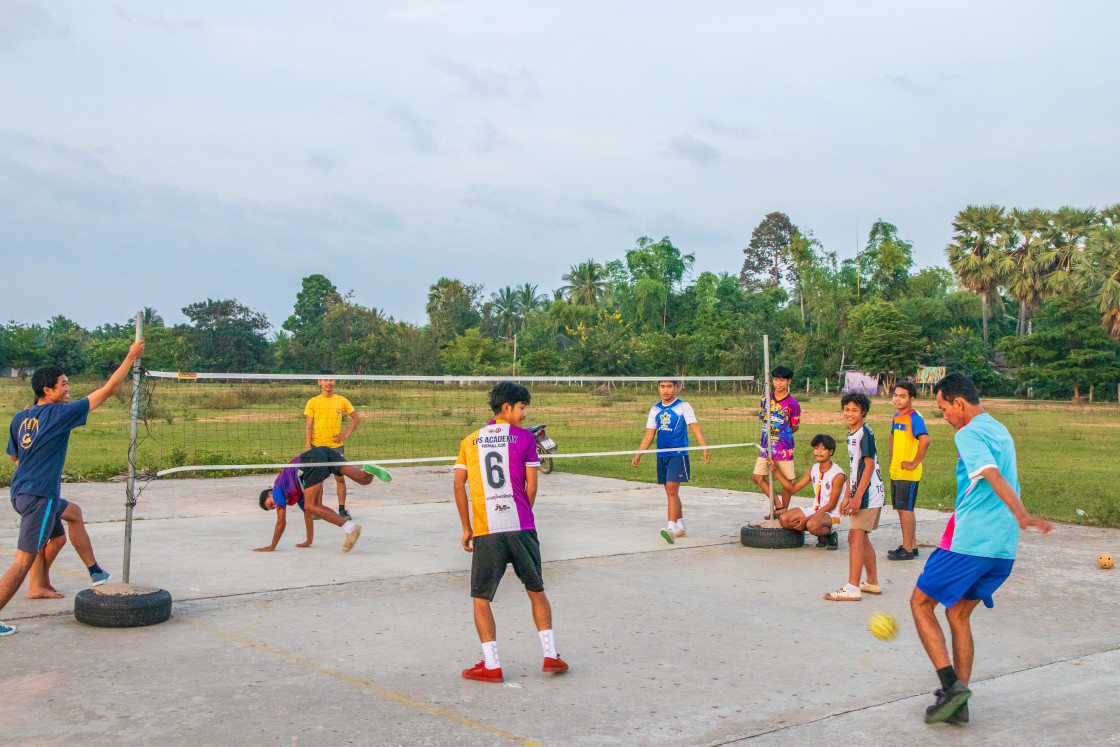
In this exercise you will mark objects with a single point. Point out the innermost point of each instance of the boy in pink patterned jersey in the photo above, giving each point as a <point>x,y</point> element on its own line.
<point>785,419</point>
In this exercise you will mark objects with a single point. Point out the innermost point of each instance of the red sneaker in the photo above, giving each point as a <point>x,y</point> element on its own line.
<point>482,674</point>
<point>554,665</point>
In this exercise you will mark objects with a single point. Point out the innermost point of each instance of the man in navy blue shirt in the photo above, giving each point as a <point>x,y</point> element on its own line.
<point>37,441</point>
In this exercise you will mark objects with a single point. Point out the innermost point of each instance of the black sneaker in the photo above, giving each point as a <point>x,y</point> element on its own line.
<point>834,541</point>
<point>948,702</point>
<point>344,513</point>
<point>822,541</point>
<point>896,551</point>
<point>960,717</point>
<point>902,554</point>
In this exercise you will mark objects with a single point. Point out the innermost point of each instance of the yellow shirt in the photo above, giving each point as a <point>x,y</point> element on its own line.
<point>905,430</point>
<point>327,412</point>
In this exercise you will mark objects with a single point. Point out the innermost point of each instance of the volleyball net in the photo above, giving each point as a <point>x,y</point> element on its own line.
<point>227,422</point>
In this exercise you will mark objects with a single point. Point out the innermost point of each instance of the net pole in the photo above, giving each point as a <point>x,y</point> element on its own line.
<point>769,433</point>
<point>130,485</point>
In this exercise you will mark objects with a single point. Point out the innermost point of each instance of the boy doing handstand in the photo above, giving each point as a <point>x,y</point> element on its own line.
<point>304,488</point>
<point>828,487</point>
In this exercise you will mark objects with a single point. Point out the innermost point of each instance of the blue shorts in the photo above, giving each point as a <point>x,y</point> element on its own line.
<point>672,468</point>
<point>951,576</point>
<point>41,520</point>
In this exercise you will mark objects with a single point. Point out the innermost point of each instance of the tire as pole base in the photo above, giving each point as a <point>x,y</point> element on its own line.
<point>122,606</point>
<point>771,538</point>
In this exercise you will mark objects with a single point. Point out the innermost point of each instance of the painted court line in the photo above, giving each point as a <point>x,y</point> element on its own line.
<point>364,684</point>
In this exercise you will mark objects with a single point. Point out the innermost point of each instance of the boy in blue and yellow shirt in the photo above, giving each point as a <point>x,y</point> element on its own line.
<point>908,445</point>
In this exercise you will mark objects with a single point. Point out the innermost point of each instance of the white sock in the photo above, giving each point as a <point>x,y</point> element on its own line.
<point>548,643</point>
<point>348,527</point>
<point>680,524</point>
<point>851,588</point>
<point>672,526</point>
<point>490,655</point>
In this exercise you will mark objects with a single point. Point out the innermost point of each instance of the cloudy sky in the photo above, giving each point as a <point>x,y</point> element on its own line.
<point>156,154</point>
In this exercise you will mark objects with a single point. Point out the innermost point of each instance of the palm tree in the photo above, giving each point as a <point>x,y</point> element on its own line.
<point>1022,250</point>
<point>528,298</point>
<point>1069,229</point>
<point>586,283</point>
<point>150,318</point>
<point>506,305</point>
<point>1098,272</point>
<point>974,254</point>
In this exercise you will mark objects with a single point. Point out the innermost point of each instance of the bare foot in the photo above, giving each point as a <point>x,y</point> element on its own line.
<point>44,594</point>
<point>304,544</point>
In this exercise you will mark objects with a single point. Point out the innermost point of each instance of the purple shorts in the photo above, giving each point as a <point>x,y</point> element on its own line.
<point>952,576</point>
<point>41,522</point>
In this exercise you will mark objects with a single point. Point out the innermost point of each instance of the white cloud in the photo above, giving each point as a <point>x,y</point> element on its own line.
<point>691,149</point>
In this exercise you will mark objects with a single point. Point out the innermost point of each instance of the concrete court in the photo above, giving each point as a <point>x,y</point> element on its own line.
<point>701,643</point>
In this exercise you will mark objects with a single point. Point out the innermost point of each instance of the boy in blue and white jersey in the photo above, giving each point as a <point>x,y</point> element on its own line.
<point>668,422</point>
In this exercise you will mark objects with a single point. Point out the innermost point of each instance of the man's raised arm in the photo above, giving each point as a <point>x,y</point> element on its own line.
<point>97,398</point>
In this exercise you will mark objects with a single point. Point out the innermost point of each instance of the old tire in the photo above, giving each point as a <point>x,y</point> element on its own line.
<point>546,465</point>
<point>771,539</point>
<point>122,606</point>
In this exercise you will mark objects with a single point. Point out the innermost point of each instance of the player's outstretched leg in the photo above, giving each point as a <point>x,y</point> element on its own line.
<point>356,474</point>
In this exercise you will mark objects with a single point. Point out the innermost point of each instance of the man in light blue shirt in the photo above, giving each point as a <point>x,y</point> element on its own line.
<point>978,549</point>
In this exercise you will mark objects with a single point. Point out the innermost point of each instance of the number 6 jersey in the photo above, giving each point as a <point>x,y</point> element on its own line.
<point>495,458</point>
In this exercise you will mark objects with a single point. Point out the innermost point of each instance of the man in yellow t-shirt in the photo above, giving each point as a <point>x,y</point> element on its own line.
<point>324,428</point>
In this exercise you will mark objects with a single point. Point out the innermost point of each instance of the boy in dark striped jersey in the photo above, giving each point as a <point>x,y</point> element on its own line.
<point>865,500</point>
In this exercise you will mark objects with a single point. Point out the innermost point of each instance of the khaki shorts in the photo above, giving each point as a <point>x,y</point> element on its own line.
<point>762,468</point>
<point>866,519</point>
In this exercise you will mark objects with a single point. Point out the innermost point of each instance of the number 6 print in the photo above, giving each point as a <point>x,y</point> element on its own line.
<point>494,473</point>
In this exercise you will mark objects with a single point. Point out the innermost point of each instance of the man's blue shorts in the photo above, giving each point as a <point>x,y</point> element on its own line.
<point>951,576</point>
<point>41,520</point>
<point>672,468</point>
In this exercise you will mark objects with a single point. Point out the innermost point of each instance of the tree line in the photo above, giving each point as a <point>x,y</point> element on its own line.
<point>1029,300</point>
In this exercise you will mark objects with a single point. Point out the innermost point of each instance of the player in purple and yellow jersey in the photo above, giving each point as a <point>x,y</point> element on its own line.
<point>785,419</point>
<point>303,487</point>
<point>499,463</point>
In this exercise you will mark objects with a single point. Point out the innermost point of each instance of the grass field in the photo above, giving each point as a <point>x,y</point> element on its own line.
<point>1064,451</point>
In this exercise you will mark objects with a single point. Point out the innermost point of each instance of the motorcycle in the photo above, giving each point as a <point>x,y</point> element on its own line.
<point>545,445</point>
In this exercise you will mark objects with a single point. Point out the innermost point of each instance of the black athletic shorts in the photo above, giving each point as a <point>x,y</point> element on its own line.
<point>493,552</point>
<point>310,476</point>
<point>903,494</point>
